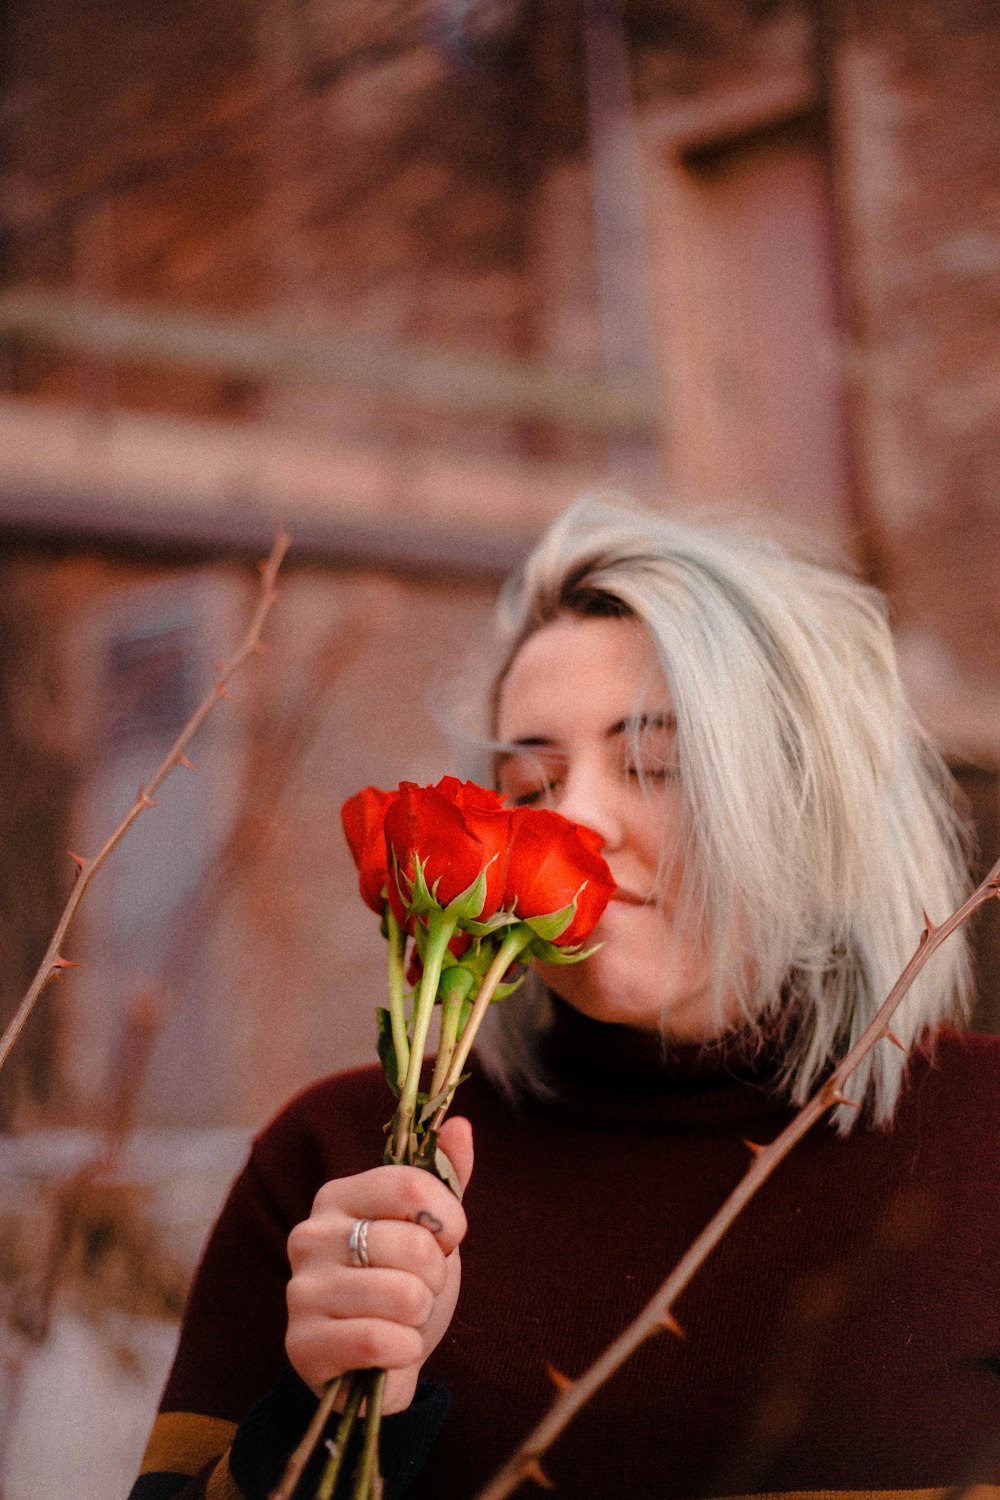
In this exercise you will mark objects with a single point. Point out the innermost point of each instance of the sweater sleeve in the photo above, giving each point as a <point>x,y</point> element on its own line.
<point>250,1466</point>
<point>233,1409</point>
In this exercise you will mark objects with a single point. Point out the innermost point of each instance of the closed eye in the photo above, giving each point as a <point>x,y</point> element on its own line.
<point>531,774</point>
<point>652,773</point>
<point>533,796</point>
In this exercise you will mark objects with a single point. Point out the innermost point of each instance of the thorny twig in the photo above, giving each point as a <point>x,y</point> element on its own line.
<point>146,1011</point>
<point>53,963</point>
<point>525,1462</point>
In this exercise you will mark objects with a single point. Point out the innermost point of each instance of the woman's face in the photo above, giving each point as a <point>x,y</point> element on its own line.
<point>587,723</point>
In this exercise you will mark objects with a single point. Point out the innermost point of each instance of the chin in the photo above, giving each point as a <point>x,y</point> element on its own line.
<point>618,1006</point>
<point>684,1015</point>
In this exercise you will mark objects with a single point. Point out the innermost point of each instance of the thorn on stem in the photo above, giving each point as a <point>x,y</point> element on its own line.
<point>533,1470</point>
<point>670,1323</point>
<point>891,1036</point>
<point>929,927</point>
<point>839,1097</point>
<point>559,1380</point>
<point>77,859</point>
<point>187,764</point>
<point>64,963</point>
<point>754,1147</point>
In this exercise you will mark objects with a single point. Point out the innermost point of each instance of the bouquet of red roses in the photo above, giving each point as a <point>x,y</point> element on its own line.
<point>466,888</point>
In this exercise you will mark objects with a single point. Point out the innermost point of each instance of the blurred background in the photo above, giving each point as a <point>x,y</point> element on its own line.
<point>405,278</point>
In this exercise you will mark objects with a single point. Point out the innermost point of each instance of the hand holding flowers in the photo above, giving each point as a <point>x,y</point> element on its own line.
<point>466,888</point>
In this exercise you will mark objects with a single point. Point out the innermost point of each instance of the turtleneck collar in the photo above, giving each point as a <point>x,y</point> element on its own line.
<point>613,1072</point>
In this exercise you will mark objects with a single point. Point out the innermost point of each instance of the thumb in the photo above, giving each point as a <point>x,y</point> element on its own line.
<point>455,1140</point>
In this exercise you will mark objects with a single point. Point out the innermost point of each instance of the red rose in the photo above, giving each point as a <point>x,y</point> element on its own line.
<point>363,817</point>
<point>548,862</point>
<point>457,830</point>
<point>489,819</point>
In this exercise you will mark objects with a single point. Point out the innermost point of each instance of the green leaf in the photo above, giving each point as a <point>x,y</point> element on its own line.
<point>444,1169</point>
<point>387,1049</point>
<point>433,1104</point>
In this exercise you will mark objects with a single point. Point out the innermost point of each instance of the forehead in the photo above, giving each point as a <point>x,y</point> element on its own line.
<point>580,670</point>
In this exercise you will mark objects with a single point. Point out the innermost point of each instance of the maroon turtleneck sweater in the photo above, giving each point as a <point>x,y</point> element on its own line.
<point>845,1335</point>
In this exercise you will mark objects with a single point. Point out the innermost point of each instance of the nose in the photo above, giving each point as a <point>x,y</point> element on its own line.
<point>586,796</point>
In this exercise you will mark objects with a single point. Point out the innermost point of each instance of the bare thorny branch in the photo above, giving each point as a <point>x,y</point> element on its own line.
<point>657,1315</point>
<point>53,963</point>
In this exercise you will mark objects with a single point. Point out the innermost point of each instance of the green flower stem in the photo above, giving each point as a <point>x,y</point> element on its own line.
<point>295,1467</point>
<point>397,987</point>
<point>368,1482</point>
<point>331,1473</point>
<point>510,949</point>
<point>451,1014</point>
<point>440,931</point>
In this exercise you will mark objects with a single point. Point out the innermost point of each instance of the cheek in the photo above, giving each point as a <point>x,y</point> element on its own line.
<point>657,840</point>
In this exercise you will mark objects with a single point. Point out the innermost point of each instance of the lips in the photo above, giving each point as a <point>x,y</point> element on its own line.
<point>630,898</point>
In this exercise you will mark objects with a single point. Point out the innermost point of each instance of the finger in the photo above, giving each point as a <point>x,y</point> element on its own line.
<point>407,1194</point>
<point>455,1140</point>
<point>321,1348</point>
<point>394,1296</point>
<point>395,1246</point>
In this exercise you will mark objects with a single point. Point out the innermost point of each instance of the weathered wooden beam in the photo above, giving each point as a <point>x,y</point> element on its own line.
<point>258,349</point>
<point>466,554</point>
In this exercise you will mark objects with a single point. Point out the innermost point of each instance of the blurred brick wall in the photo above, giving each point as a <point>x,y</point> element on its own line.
<point>917,119</point>
<point>346,164</point>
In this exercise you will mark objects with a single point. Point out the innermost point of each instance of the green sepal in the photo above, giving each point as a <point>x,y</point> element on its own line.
<point>503,990</point>
<point>499,919</point>
<point>466,906</point>
<point>387,1049</point>
<point>421,899</point>
<point>548,953</point>
<point>553,924</point>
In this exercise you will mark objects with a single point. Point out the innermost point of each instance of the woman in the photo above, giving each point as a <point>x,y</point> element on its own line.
<point>731,723</point>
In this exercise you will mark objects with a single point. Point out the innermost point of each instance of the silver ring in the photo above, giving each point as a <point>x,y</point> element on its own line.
<point>357,1243</point>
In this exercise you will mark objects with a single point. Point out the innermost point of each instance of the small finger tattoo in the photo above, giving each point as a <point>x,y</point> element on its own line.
<point>428,1221</point>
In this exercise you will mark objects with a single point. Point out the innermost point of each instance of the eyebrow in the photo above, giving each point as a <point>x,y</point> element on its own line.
<point>631,725</point>
<point>640,722</point>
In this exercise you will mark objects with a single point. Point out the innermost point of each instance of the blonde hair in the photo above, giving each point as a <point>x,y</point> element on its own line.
<point>817,821</point>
